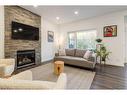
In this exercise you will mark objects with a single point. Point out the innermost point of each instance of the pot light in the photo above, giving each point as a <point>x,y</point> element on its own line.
<point>76,12</point>
<point>57,18</point>
<point>35,6</point>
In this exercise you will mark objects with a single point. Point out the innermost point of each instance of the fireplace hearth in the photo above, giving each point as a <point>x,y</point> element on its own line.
<point>25,58</point>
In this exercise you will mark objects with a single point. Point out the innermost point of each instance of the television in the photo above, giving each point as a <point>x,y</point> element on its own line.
<point>24,32</point>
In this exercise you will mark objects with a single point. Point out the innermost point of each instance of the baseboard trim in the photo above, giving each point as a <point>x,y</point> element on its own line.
<point>48,61</point>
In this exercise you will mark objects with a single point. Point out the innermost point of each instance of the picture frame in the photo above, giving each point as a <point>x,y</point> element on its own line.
<point>110,31</point>
<point>50,36</point>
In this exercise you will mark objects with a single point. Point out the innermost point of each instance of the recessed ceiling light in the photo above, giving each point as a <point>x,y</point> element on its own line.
<point>76,12</point>
<point>35,6</point>
<point>57,18</point>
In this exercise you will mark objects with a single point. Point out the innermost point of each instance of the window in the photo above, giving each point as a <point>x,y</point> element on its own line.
<point>72,40</point>
<point>82,39</point>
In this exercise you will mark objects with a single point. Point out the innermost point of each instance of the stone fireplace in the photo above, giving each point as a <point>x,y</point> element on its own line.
<point>28,52</point>
<point>25,58</point>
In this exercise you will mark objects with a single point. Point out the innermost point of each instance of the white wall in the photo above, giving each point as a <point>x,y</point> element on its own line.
<point>114,44</point>
<point>1,31</point>
<point>47,48</point>
<point>125,24</point>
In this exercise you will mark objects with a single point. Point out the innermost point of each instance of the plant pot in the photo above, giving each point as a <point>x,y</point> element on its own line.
<point>103,59</point>
<point>99,40</point>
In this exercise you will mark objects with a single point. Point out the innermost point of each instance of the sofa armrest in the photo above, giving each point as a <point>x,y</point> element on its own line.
<point>25,84</point>
<point>8,61</point>
<point>92,58</point>
<point>23,81</point>
<point>26,75</point>
<point>61,82</point>
<point>28,84</point>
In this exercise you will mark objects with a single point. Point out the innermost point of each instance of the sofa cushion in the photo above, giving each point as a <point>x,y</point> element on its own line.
<point>76,61</point>
<point>80,53</point>
<point>70,58</point>
<point>70,52</point>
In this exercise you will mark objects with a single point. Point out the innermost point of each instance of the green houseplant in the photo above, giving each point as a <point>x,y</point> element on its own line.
<point>103,52</point>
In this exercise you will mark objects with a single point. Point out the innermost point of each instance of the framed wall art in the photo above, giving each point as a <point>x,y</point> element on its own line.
<point>110,31</point>
<point>50,36</point>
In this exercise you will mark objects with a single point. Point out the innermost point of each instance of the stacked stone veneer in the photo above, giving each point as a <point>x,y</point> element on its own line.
<point>21,15</point>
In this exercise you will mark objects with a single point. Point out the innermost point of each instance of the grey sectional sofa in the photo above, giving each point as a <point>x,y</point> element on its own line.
<point>75,57</point>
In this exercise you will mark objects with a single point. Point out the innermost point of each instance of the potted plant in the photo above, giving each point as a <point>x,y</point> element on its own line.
<point>103,52</point>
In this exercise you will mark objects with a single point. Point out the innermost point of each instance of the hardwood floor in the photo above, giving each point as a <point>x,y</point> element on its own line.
<point>107,77</point>
<point>110,77</point>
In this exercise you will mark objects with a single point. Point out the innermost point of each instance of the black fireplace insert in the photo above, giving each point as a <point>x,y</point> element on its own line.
<point>25,58</point>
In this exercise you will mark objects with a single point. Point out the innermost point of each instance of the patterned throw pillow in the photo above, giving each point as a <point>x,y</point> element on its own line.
<point>88,54</point>
<point>62,52</point>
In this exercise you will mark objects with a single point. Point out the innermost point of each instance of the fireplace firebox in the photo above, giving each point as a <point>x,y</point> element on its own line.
<point>25,58</point>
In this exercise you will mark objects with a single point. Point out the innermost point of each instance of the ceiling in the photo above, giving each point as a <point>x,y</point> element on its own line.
<point>66,13</point>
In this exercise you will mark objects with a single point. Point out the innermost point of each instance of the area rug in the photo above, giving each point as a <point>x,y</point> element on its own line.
<point>76,78</point>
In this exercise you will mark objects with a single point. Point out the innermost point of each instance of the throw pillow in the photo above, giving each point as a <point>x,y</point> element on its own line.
<point>87,54</point>
<point>70,52</point>
<point>80,53</point>
<point>62,52</point>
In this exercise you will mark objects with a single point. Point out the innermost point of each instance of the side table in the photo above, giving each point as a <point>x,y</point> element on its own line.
<point>58,67</point>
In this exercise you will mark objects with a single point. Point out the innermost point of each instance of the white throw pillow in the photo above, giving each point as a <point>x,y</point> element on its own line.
<point>62,52</point>
<point>87,54</point>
